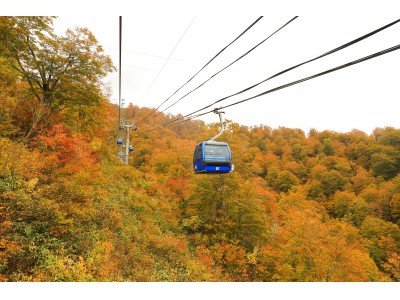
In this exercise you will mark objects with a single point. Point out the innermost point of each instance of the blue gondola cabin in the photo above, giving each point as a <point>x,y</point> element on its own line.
<point>212,157</point>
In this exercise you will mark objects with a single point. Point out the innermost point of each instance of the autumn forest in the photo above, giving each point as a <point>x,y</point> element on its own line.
<point>299,206</point>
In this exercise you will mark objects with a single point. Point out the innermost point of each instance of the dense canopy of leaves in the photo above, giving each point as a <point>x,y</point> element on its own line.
<point>63,72</point>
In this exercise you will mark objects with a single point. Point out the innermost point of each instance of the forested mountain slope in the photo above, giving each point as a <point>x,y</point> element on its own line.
<point>321,206</point>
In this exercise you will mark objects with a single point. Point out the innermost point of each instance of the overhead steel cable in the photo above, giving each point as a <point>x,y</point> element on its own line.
<point>394,48</point>
<point>165,63</point>
<point>236,60</point>
<point>294,67</point>
<point>119,72</point>
<point>215,56</point>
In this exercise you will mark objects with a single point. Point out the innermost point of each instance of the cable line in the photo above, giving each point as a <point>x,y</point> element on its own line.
<point>119,75</point>
<point>239,58</point>
<point>302,80</point>
<point>173,50</point>
<point>215,56</point>
<point>294,67</point>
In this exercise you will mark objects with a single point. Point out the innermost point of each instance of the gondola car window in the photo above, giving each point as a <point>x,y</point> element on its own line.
<point>216,153</point>
<point>195,154</point>
<point>199,152</point>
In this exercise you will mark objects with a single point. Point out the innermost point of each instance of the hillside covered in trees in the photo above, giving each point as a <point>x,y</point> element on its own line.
<point>316,206</point>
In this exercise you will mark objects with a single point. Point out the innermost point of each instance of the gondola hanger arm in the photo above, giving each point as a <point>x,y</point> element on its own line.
<point>223,124</point>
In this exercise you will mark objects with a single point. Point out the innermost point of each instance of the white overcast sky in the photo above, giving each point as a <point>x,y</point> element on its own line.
<point>361,97</point>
